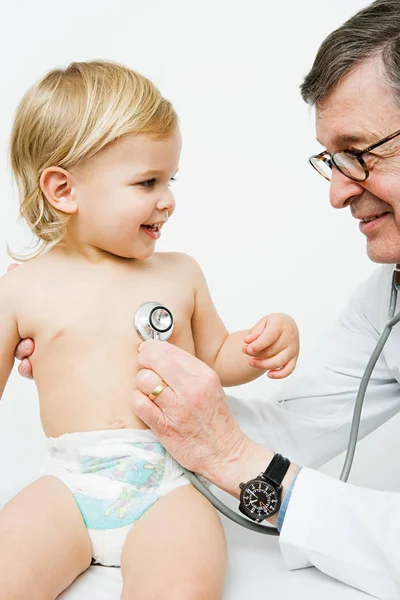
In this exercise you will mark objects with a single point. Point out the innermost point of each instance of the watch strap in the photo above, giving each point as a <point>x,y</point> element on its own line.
<point>276,470</point>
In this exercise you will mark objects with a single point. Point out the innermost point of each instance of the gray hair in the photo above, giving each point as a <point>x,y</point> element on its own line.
<point>373,31</point>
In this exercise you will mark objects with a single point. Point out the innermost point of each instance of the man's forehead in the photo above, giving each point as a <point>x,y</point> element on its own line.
<point>339,126</point>
<point>361,109</point>
<point>347,138</point>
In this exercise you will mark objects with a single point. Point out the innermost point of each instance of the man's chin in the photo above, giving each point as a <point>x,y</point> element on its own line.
<point>383,255</point>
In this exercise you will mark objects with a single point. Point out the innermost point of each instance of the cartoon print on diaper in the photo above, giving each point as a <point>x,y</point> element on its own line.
<point>119,467</point>
<point>135,496</point>
<point>139,481</point>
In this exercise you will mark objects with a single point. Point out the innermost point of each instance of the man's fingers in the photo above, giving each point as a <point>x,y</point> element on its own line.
<point>171,363</point>
<point>147,410</point>
<point>147,381</point>
<point>25,369</point>
<point>24,349</point>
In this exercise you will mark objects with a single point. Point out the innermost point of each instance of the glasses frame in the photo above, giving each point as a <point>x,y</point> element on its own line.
<point>329,159</point>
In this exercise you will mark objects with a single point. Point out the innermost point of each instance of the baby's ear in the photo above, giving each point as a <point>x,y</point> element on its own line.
<point>56,185</point>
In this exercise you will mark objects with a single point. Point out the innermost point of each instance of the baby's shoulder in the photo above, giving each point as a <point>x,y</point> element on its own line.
<point>11,287</point>
<point>19,279</point>
<point>178,262</point>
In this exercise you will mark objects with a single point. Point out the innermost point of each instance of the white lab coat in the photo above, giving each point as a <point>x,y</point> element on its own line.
<point>350,533</point>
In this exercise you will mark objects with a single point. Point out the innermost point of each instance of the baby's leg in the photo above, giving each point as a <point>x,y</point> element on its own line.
<point>44,544</point>
<point>175,551</point>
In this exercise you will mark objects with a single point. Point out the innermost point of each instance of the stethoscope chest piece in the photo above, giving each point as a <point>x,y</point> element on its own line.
<point>154,321</point>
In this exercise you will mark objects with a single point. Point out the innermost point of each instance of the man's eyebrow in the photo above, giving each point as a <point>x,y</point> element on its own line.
<point>341,141</point>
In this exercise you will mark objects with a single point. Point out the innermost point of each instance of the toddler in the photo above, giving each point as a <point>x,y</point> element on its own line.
<point>94,150</point>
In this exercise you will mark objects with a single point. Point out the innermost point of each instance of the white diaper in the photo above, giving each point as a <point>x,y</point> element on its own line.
<point>115,476</point>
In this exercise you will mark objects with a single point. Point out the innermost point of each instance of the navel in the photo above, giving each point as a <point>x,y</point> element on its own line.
<point>118,424</point>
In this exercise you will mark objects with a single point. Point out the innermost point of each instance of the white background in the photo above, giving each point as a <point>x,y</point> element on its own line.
<point>249,207</point>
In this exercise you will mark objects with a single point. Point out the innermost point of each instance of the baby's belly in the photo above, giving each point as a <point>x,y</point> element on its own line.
<point>87,413</point>
<point>87,393</point>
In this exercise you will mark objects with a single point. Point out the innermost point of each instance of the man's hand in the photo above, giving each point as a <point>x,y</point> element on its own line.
<point>22,352</point>
<point>190,417</point>
<point>273,344</point>
<point>24,349</point>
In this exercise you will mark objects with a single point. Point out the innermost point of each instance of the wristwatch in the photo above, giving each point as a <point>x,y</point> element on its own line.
<point>260,498</point>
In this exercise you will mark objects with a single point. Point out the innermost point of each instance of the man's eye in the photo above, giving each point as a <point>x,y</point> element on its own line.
<point>150,183</point>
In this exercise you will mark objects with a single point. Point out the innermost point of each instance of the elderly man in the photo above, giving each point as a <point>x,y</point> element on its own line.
<point>348,532</point>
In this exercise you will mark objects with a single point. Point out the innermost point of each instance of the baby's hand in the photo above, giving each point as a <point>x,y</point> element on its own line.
<point>273,344</point>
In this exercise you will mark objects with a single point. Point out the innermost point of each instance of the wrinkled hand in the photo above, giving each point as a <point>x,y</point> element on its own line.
<point>24,349</point>
<point>273,344</point>
<point>190,417</point>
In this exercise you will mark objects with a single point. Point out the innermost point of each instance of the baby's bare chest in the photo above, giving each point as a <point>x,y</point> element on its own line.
<point>101,308</point>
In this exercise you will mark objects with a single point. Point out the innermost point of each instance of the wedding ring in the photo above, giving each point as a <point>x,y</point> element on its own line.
<point>157,391</point>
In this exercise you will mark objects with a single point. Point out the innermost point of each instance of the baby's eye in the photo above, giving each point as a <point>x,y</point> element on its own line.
<point>149,183</point>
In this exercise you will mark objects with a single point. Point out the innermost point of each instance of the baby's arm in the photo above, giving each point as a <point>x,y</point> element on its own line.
<point>274,340</point>
<point>9,336</point>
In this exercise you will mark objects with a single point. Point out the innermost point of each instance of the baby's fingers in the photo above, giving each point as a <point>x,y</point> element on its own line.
<point>271,364</point>
<point>255,331</point>
<point>268,337</point>
<point>284,371</point>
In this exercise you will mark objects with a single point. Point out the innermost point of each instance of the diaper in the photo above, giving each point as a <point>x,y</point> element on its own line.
<point>115,476</point>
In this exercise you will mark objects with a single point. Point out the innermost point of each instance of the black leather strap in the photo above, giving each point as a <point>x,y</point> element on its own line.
<point>276,469</point>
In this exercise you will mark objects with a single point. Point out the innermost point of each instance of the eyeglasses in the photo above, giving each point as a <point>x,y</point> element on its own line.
<point>349,162</point>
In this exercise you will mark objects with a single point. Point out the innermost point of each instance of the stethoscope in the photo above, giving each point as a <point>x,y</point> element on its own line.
<point>153,320</point>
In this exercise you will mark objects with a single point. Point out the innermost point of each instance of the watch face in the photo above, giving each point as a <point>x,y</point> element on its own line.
<point>259,499</point>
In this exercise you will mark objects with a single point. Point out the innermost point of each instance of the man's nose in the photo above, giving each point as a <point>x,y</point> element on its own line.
<point>343,190</point>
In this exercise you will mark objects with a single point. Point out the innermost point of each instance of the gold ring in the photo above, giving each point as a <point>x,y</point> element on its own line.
<point>157,391</point>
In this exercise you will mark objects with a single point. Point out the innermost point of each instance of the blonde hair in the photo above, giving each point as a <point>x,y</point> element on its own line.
<point>70,115</point>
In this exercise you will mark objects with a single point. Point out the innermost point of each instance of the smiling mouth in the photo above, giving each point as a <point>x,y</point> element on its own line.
<point>154,227</point>
<point>373,218</point>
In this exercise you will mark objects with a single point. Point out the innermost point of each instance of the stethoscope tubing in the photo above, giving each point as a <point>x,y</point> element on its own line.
<point>355,423</point>
<point>393,319</point>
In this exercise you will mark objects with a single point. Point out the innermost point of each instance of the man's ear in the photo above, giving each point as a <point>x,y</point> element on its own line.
<point>56,185</point>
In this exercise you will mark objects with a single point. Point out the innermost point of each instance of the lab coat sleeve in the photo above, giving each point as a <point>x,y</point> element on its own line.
<point>310,419</point>
<point>349,533</point>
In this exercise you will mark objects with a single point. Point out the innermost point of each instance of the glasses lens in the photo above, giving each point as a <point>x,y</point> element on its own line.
<point>349,165</point>
<point>321,165</point>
